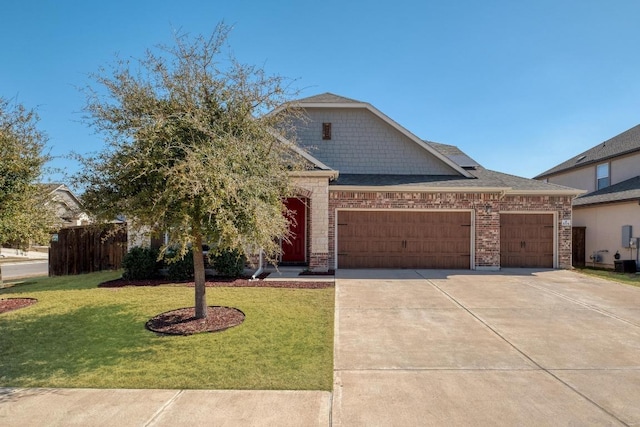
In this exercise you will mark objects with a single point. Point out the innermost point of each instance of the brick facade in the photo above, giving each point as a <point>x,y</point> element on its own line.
<point>486,208</point>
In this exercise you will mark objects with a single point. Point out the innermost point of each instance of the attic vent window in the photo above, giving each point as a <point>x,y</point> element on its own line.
<point>581,158</point>
<point>326,131</point>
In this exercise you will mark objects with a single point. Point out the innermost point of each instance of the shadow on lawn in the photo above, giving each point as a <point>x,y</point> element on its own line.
<point>44,350</point>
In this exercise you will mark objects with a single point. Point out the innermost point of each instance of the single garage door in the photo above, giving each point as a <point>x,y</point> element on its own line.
<point>526,240</point>
<point>393,239</point>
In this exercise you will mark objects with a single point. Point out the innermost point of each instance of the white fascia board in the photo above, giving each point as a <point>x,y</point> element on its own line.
<point>416,189</point>
<point>567,192</point>
<point>424,189</point>
<point>331,174</point>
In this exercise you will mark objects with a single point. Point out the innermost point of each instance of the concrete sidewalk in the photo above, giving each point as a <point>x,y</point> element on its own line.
<point>158,408</point>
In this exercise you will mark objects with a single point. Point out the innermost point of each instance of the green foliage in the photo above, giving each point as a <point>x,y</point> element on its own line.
<point>25,214</point>
<point>140,263</point>
<point>180,266</point>
<point>190,149</point>
<point>229,263</point>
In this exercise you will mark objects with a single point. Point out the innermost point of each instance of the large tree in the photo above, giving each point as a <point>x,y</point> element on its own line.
<point>190,149</point>
<point>25,215</point>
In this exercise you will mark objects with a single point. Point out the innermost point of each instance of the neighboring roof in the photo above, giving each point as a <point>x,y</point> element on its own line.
<point>620,192</point>
<point>485,181</point>
<point>330,100</point>
<point>624,143</point>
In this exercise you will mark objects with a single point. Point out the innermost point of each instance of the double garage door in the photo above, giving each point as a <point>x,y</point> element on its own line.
<point>392,239</point>
<point>401,239</point>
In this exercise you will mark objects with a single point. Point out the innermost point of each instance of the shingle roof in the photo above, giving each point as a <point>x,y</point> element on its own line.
<point>483,178</point>
<point>626,142</point>
<point>622,191</point>
<point>328,98</point>
<point>455,154</point>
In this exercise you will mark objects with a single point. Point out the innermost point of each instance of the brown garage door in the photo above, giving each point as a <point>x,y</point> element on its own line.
<point>526,240</point>
<point>379,239</point>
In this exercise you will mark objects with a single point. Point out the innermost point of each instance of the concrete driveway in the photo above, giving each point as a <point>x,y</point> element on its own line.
<point>518,347</point>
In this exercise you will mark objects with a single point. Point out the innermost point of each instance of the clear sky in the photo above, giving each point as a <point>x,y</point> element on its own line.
<point>519,85</point>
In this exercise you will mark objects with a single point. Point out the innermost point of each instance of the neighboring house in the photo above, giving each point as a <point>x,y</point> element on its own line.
<point>380,197</point>
<point>68,209</point>
<point>610,174</point>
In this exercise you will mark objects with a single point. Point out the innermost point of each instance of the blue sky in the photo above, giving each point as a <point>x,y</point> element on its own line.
<point>519,86</point>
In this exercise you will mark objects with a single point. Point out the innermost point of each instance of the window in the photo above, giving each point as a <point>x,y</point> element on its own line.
<point>602,175</point>
<point>326,131</point>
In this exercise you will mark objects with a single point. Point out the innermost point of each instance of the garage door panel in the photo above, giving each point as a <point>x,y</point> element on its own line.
<point>526,240</point>
<point>409,239</point>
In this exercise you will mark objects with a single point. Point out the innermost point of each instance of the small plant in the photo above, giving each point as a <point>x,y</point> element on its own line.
<point>229,263</point>
<point>180,268</point>
<point>140,263</point>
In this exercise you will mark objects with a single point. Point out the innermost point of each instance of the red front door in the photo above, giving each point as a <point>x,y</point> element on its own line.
<point>294,250</point>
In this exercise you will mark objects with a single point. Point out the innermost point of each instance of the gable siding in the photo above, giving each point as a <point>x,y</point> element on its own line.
<point>362,143</point>
<point>582,179</point>
<point>623,168</point>
<point>620,169</point>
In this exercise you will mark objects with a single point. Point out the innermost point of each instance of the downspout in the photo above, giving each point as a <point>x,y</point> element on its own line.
<point>259,270</point>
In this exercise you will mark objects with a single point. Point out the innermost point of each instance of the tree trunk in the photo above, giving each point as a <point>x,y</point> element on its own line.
<point>1,282</point>
<point>198,273</point>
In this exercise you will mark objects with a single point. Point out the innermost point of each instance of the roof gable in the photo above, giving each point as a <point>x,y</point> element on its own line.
<point>624,143</point>
<point>329,100</point>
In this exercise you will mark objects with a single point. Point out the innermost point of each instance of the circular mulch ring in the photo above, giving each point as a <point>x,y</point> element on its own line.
<point>10,304</point>
<point>183,322</point>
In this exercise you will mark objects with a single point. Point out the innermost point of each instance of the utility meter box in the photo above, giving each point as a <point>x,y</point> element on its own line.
<point>626,236</point>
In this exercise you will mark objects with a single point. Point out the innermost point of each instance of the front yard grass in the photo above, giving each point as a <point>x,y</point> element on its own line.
<point>627,278</point>
<point>78,335</point>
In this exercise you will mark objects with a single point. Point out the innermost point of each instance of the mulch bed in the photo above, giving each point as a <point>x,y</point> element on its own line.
<point>183,322</point>
<point>11,304</point>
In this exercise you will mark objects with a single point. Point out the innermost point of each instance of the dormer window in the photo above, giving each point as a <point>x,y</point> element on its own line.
<point>602,176</point>
<point>326,131</point>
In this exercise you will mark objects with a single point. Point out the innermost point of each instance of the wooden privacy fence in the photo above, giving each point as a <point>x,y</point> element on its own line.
<point>86,249</point>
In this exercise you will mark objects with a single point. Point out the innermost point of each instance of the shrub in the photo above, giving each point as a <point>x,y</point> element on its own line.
<point>229,263</point>
<point>180,268</point>
<point>140,263</point>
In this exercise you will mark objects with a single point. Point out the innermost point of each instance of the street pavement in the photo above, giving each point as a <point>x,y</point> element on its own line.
<point>24,269</point>
<point>420,347</point>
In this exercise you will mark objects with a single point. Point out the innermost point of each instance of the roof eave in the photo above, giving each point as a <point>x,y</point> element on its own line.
<point>331,174</point>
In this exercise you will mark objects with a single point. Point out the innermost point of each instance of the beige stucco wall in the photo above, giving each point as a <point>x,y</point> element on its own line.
<point>624,168</point>
<point>582,179</point>
<point>604,229</point>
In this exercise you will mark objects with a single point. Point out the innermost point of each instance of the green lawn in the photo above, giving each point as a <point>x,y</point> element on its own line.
<point>78,335</point>
<point>627,278</point>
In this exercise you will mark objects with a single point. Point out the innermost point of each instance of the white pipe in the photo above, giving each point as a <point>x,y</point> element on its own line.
<point>259,270</point>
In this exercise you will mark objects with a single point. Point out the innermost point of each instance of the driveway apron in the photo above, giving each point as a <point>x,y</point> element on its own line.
<point>517,347</point>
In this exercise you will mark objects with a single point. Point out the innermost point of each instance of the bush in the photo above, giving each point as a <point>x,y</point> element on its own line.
<point>140,263</point>
<point>229,263</point>
<point>180,268</point>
